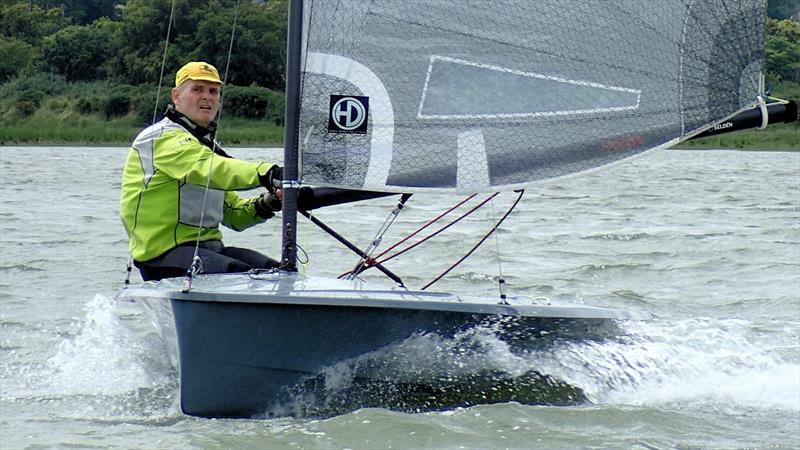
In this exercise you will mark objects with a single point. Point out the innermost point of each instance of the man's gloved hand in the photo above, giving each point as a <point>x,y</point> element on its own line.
<point>273,179</point>
<point>267,204</point>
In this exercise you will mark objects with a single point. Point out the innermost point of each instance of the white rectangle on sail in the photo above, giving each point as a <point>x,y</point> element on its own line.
<point>456,89</point>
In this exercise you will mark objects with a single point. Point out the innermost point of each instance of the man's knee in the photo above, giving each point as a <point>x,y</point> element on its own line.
<point>158,273</point>
<point>235,265</point>
<point>252,258</point>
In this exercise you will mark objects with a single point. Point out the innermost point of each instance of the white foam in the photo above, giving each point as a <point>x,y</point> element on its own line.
<point>103,358</point>
<point>689,361</point>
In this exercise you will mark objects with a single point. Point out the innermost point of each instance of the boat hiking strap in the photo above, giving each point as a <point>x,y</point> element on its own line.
<point>197,266</point>
<point>376,241</point>
<point>489,233</point>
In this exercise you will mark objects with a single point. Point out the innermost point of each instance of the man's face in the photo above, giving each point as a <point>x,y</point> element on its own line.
<point>198,100</point>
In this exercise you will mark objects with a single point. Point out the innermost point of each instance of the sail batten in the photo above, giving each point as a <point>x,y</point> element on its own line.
<point>486,96</point>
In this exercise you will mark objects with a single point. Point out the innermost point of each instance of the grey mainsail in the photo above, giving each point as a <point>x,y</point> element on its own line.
<point>491,95</point>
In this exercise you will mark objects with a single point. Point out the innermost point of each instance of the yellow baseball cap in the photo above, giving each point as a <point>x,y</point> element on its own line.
<point>197,70</point>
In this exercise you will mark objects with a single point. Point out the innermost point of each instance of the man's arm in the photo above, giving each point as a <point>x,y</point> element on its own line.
<point>181,156</point>
<point>240,213</point>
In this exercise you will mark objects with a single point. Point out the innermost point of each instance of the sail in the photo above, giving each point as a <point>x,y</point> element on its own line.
<point>472,95</point>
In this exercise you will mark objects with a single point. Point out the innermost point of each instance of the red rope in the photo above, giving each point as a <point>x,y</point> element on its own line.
<point>430,222</point>
<point>479,242</point>
<point>426,238</point>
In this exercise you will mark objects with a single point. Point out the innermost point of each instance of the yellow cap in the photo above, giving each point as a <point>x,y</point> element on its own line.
<point>197,70</point>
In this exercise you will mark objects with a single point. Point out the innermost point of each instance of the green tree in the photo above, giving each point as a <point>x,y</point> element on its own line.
<point>139,43</point>
<point>30,23</point>
<point>201,30</point>
<point>79,53</point>
<point>15,54</point>
<point>783,49</point>
<point>82,12</point>
<point>259,54</point>
<point>87,11</point>
<point>259,43</point>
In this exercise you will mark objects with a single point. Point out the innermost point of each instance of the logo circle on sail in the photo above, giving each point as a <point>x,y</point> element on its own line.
<point>348,113</point>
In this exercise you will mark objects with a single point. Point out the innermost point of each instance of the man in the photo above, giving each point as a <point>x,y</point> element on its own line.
<point>178,186</point>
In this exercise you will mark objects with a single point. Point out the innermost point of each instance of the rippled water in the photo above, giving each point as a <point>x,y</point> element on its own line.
<point>708,242</point>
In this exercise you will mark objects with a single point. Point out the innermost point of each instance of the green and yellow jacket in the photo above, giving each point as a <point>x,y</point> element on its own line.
<point>164,185</point>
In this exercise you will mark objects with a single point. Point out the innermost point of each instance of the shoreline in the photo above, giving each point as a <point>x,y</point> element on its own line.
<point>118,145</point>
<point>256,134</point>
<point>280,145</point>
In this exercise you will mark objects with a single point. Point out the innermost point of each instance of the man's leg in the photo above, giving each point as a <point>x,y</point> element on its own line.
<point>252,258</point>
<point>177,261</point>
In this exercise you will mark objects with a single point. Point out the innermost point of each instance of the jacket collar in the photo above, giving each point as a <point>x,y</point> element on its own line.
<point>204,134</point>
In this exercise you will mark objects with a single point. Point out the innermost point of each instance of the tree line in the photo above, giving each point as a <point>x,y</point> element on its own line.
<point>123,40</point>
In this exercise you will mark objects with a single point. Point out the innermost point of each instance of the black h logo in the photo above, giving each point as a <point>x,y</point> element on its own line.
<point>348,114</point>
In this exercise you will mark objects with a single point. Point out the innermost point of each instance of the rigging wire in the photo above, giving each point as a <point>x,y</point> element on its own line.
<point>501,281</point>
<point>430,222</point>
<point>197,263</point>
<point>129,267</point>
<point>435,233</point>
<point>163,60</point>
<point>475,247</point>
<point>228,63</point>
<point>440,230</point>
<point>368,260</point>
<point>374,262</point>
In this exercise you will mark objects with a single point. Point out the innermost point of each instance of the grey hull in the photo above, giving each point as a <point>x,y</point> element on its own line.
<point>246,344</point>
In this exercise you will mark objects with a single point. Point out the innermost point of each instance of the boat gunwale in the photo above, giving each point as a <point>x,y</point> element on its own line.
<point>274,298</point>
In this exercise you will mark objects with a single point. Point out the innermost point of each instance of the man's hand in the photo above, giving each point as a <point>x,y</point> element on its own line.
<point>269,203</point>
<point>273,179</point>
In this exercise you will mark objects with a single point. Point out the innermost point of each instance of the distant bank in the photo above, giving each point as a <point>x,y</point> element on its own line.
<point>774,137</point>
<point>70,119</point>
<point>245,132</point>
<point>120,132</point>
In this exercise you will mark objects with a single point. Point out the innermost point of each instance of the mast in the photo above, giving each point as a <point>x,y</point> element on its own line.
<point>291,182</point>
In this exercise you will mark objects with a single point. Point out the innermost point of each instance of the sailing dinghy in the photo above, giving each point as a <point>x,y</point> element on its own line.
<point>462,97</point>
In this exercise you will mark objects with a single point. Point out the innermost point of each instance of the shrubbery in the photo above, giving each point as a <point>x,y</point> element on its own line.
<point>58,105</point>
<point>28,101</point>
<point>87,105</point>
<point>114,101</point>
<point>49,84</point>
<point>783,49</point>
<point>24,108</point>
<point>254,102</point>
<point>142,108</point>
<point>116,105</point>
<point>31,95</point>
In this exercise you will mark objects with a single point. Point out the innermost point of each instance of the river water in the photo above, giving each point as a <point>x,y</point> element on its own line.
<point>706,242</point>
